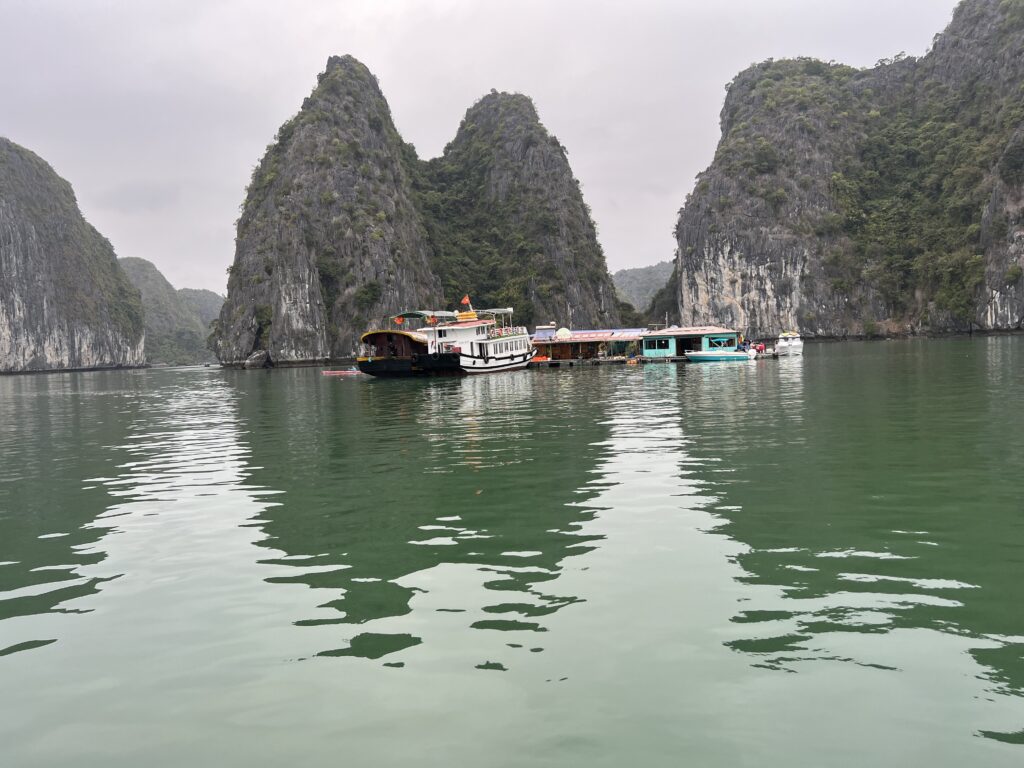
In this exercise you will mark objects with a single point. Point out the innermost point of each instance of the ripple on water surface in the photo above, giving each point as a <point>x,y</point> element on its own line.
<point>622,563</point>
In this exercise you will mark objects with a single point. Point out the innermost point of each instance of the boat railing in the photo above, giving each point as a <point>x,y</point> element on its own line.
<point>504,331</point>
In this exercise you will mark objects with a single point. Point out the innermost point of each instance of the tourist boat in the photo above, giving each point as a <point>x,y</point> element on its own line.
<point>789,343</point>
<point>721,349</point>
<point>439,343</point>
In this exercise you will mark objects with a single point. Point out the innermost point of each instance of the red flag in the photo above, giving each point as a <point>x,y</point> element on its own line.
<point>465,299</point>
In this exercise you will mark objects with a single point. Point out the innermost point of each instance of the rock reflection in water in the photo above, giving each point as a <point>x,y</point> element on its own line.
<point>867,512</point>
<point>52,430</point>
<point>409,497</point>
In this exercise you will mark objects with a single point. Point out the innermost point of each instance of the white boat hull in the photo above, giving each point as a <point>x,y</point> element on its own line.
<point>789,349</point>
<point>471,365</point>
<point>724,356</point>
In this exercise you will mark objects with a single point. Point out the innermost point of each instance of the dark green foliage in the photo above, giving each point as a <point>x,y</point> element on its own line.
<point>638,285</point>
<point>912,202</point>
<point>1014,13</point>
<point>175,333</point>
<point>264,319</point>
<point>368,295</point>
<point>664,307</point>
<point>1013,274</point>
<point>631,318</point>
<point>498,247</point>
<point>766,159</point>
<point>202,303</point>
<point>1011,164</point>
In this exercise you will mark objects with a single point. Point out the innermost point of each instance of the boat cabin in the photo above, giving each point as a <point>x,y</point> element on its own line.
<point>674,342</point>
<point>483,333</point>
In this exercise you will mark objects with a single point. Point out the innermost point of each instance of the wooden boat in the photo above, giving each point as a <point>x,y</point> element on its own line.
<point>440,343</point>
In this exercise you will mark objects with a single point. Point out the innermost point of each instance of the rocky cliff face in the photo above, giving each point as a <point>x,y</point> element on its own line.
<point>329,240</point>
<point>64,302</point>
<point>508,222</point>
<point>343,226</point>
<point>845,201</point>
<point>174,333</point>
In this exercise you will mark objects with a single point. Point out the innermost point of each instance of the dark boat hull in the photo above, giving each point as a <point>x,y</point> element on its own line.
<point>414,365</point>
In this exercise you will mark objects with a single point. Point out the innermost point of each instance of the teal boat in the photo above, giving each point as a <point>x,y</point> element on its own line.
<point>721,349</point>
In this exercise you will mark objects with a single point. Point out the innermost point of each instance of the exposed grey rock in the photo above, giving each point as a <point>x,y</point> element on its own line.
<point>260,359</point>
<point>777,236</point>
<point>329,240</point>
<point>64,301</point>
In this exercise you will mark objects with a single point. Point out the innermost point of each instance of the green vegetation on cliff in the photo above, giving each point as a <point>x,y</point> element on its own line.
<point>175,334</point>
<point>64,302</point>
<point>507,222</point>
<point>639,285</point>
<point>887,198</point>
<point>343,226</point>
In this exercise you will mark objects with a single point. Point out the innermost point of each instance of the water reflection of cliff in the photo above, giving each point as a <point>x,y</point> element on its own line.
<point>54,430</point>
<point>891,505</point>
<point>458,484</point>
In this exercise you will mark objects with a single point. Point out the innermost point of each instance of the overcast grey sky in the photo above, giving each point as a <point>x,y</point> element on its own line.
<point>156,112</point>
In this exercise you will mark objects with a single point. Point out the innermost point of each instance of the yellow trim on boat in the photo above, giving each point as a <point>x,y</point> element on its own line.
<point>417,337</point>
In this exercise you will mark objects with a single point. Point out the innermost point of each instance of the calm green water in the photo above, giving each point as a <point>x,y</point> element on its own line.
<point>806,562</point>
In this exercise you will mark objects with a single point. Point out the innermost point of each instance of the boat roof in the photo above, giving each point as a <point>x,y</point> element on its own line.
<point>467,323</point>
<point>694,330</point>
<point>414,335</point>
<point>423,314</point>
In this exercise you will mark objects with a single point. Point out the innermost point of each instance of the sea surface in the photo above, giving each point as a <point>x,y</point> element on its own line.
<point>815,561</point>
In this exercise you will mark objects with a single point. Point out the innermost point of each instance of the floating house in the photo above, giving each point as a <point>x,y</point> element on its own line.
<point>673,343</point>
<point>564,344</point>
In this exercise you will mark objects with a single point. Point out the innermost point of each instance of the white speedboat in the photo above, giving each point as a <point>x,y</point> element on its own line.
<point>721,356</point>
<point>721,349</point>
<point>789,343</point>
<point>447,343</point>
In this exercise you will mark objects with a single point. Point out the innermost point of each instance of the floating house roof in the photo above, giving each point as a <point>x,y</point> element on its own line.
<point>696,330</point>
<point>563,336</point>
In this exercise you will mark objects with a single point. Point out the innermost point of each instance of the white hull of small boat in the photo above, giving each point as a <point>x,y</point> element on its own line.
<point>723,356</point>
<point>789,346</point>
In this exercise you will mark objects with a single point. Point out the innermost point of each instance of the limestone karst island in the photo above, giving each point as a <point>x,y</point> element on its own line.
<point>512,383</point>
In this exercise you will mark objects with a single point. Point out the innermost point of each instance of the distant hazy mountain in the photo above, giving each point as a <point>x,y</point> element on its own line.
<point>175,331</point>
<point>639,284</point>
<point>64,302</point>
<point>204,304</point>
